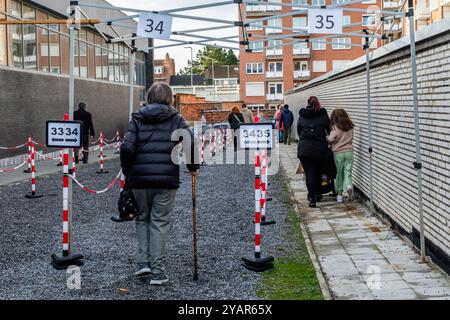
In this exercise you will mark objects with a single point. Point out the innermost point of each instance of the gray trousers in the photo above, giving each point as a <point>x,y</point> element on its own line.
<point>152,224</point>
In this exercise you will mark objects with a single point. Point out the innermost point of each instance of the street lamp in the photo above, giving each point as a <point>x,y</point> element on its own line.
<point>192,62</point>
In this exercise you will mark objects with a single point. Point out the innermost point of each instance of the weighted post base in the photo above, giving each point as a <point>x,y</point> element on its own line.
<point>27,171</point>
<point>102,171</point>
<point>59,165</point>
<point>265,223</point>
<point>258,264</point>
<point>33,196</point>
<point>269,199</point>
<point>61,263</point>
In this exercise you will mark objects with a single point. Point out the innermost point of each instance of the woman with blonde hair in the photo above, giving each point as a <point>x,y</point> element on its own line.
<point>341,140</point>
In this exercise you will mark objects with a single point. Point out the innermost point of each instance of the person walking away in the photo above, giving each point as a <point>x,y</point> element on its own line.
<point>152,176</point>
<point>88,130</point>
<point>235,119</point>
<point>341,140</point>
<point>277,117</point>
<point>286,121</point>
<point>313,126</point>
<point>247,114</point>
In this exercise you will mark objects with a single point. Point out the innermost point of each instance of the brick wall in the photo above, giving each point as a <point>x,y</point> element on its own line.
<point>395,182</point>
<point>230,105</point>
<point>29,99</point>
<point>216,116</point>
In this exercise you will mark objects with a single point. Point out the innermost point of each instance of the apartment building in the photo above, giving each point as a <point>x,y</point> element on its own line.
<point>164,68</point>
<point>267,73</point>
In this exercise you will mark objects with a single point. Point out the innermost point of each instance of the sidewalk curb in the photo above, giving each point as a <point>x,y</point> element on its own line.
<point>312,254</point>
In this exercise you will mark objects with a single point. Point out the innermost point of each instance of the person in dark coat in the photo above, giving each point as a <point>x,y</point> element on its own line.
<point>235,119</point>
<point>312,127</point>
<point>88,130</point>
<point>152,176</point>
<point>286,121</point>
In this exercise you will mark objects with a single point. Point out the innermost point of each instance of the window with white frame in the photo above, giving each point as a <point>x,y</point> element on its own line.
<point>318,2</point>
<point>274,47</point>
<point>54,49</point>
<point>369,2</point>
<point>341,43</point>
<point>300,45</point>
<point>297,3</point>
<point>254,68</point>
<point>254,89</point>
<point>299,23</point>
<point>320,66</point>
<point>319,45</point>
<point>257,25</point>
<point>340,1</point>
<point>346,20</point>
<point>278,23</point>
<point>52,28</point>
<point>256,46</point>
<point>275,67</point>
<point>159,69</point>
<point>369,20</point>
<point>276,88</point>
<point>301,65</point>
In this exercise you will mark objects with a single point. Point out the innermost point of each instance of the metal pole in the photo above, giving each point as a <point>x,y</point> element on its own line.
<point>132,66</point>
<point>71,110</point>
<point>192,61</point>
<point>369,123</point>
<point>418,162</point>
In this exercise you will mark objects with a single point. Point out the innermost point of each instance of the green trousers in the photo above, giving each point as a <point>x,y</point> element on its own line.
<point>344,165</point>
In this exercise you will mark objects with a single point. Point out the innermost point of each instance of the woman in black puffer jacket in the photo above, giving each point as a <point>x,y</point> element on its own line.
<point>152,176</point>
<point>312,127</point>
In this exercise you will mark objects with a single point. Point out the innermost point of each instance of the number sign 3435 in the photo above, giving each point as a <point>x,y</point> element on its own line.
<point>328,21</point>
<point>156,26</point>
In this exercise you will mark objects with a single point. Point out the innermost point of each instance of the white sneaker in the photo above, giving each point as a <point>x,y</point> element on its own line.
<point>340,198</point>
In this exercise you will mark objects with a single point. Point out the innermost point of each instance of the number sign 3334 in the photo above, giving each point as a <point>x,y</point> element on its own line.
<point>328,21</point>
<point>155,26</point>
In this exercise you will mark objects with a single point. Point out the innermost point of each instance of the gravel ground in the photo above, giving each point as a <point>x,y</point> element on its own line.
<point>30,232</point>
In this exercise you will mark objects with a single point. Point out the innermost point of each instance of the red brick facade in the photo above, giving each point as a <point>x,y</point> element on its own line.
<point>167,66</point>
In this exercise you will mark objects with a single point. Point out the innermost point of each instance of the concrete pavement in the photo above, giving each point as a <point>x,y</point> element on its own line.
<point>359,256</point>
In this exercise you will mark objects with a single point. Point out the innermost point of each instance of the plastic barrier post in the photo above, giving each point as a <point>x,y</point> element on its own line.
<point>258,264</point>
<point>118,142</point>
<point>33,174</point>
<point>101,171</point>
<point>68,258</point>
<point>264,199</point>
<point>29,155</point>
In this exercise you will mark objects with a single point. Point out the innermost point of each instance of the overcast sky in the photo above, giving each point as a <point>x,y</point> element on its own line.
<point>180,54</point>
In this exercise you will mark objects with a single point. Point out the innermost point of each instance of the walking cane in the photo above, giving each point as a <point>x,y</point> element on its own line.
<point>194,226</point>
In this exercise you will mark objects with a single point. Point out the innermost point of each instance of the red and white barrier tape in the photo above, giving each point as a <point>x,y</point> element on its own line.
<point>15,147</point>
<point>92,191</point>
<point>13,169</point>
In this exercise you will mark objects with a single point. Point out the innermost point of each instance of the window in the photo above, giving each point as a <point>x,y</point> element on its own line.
<point>254,68</point>
<point>341,43</point>
<point>51,27</point>
<point>369,20</point>
<point>256,46</point>
<point>300,45</point>
<point>340,1</point>
<point>258,25</point>
<point>275,67</point>
<point>346,20</point>
<point>301,65</point>
<point>159,69</point>
<point>337,64</point>
<point>373,45</point>
<point>275,88</point>
<point>29,39</point>
<point>254,89</point>
<point>299,23</point>
<point>320,66</point>
<point>277,23</point>
<point>318,2</point>
<point>297,3</point>
<point>274,47</point>
<point>319,45</point>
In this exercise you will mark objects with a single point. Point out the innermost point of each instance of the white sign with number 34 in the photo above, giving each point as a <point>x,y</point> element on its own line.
<point>155,26</point>
<point>328,21</point>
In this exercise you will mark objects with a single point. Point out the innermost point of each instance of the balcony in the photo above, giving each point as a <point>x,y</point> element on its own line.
<point>274,97</point>
<point>302,74</point>
<point>274,74</point>
<point>274,52</point>
<point>395,28</point>
<point>445,3</point>
<point>302,52</point>
<point>391,4</point>
<point>261,8</point>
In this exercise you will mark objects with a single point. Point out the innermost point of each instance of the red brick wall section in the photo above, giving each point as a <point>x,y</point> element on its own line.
<point>227,106</point>
<point>216,116</point>
<point>193,111</point>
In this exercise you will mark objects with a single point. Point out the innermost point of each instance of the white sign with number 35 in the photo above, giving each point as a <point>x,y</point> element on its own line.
<point>155,26</point>
<point>327,21</point>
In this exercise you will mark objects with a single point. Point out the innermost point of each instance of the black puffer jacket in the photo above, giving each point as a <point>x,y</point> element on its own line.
<point>145,154</point>
<point>312,128</point>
